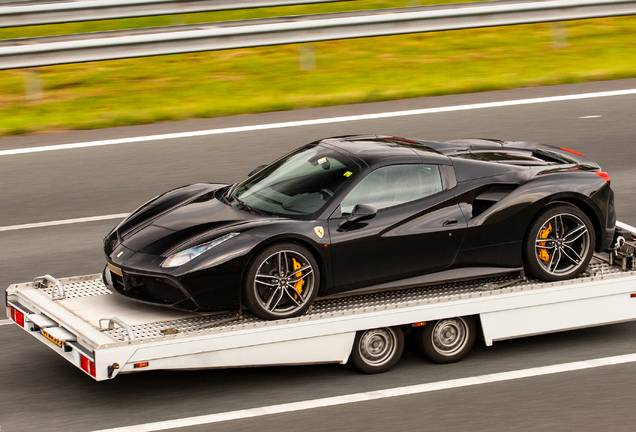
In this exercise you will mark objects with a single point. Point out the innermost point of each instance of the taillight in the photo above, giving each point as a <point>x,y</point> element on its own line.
<point>571,151</point>
<point>605,176</point>
<point>17,316</point>
<point>87,365</point>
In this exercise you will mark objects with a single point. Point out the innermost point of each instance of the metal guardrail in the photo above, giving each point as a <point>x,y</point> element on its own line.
<point>33,13</point>
<point>30,52</point>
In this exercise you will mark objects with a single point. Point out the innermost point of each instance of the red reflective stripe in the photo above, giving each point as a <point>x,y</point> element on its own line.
<point>571,151</point>
<point>605,176</point>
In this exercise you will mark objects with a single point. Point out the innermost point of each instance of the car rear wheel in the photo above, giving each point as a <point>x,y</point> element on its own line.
<point>281,282</point>
<point>447,340</point>
<point>377,350</point>
<point>559,243</point>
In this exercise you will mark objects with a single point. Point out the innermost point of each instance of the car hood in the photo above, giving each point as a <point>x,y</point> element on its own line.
<point>195,221</point>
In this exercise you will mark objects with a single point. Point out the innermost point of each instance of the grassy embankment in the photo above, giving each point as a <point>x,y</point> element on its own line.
<point>177,87</point>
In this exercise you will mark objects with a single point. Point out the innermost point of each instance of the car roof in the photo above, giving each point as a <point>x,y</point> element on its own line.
<point>376,151</point>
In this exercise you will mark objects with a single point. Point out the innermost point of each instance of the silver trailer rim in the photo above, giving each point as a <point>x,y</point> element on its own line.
<point>450,336</point>
<point>377,346</point>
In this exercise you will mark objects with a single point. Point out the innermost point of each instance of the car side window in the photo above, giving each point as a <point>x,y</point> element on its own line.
<point>392,185</point>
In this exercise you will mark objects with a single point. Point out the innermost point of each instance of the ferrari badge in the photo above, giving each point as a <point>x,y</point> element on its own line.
<point>320,232</point>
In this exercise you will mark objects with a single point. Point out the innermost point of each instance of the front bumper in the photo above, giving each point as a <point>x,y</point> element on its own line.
<point>213,289</point>
<point>148,288</point>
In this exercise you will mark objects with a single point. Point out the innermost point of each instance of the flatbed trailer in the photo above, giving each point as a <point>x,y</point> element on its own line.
<point>105,334</point>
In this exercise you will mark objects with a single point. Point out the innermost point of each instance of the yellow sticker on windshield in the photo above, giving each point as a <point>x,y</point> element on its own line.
<point>347,174</point>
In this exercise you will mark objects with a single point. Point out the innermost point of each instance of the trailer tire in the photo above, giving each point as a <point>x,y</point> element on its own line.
<point>447,340</point>
<point>377,350</point>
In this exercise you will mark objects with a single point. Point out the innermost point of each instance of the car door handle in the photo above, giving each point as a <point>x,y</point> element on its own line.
<point>450,222</point>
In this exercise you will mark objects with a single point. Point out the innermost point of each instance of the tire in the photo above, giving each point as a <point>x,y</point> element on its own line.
<point>447,340</point>
<point>281,282</point>
<point>377,350</point>
<point>559,243</point>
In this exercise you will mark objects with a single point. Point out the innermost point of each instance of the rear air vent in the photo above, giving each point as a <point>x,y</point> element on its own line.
<point>523,158</point>
<point>489,196</point>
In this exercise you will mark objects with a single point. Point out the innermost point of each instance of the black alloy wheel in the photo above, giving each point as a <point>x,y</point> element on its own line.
<point>377,350</point>
<point>559,243</point>
<point>447,340</point>
<point>281,282</point>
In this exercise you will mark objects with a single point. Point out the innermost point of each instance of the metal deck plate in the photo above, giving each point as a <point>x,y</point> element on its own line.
<point>86,286</point>
<point>328,308</point>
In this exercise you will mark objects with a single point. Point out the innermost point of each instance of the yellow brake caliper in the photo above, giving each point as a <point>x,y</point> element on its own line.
<point>543,254</point>
<point>298,286</point>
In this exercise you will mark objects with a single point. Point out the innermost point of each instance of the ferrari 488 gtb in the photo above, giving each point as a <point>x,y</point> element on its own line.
<point>360,213</point>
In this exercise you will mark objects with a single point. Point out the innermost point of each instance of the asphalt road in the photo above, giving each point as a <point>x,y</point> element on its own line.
<point>40,391</point>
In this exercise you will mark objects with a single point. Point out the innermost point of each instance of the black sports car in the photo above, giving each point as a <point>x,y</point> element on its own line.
<point>359,213</point>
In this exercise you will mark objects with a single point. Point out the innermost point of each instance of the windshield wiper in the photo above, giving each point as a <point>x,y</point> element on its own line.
<point>228,193</point>
<point>242,206</point>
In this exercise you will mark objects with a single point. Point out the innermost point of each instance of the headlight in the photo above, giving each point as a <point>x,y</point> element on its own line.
<point>180,258</point>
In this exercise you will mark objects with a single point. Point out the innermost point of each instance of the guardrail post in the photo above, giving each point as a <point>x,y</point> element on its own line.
<point>33,84</point>
<point>559,34</point>
<point>307,56</point>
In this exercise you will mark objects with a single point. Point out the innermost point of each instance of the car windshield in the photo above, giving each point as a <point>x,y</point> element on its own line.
<point>299,184</point>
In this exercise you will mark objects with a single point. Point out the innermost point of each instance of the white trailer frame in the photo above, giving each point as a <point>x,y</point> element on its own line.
<point>105,334</point>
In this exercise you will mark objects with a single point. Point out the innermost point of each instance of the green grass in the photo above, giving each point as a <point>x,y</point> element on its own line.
<point>178,87</point>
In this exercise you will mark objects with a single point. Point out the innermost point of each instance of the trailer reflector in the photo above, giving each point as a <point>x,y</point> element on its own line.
<point>17,316</point>
<point>140,365</point>
<point>87,365</point>
<point>419,324</point>
<point>633,295</point>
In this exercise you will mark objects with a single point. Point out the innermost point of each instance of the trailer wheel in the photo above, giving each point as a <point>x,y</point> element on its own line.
<point>447,340</point>
<point>281,282</point>
<point>559,243</point>
<point>377,350</point>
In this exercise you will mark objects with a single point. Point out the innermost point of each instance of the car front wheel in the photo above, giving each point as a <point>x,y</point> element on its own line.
<point>281,282</point>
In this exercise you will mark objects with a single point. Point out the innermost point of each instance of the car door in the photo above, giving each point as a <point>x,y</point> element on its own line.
<point>418,228</point>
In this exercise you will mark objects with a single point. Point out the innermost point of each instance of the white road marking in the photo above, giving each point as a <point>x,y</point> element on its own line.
<point>318,121</point>
<point>5,322</point>
<point>590,116</point>
<point>375,395</point>
<point>63,222</point>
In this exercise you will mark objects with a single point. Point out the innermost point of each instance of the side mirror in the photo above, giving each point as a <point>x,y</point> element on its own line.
<point>257,169</point>
<point>360,212</point>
